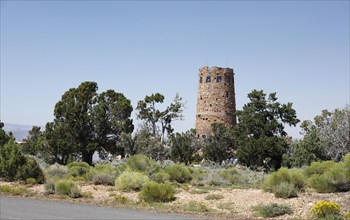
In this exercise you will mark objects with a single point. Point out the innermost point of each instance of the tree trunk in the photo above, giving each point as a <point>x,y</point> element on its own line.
<point>87,157</point>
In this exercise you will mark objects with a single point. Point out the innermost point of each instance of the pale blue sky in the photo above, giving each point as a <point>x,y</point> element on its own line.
<point>299,49</point>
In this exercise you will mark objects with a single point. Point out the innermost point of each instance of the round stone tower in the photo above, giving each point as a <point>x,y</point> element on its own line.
<point>216,100</point>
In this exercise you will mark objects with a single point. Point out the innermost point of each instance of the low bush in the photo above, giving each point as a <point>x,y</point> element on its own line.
<point>157,192</point>
<point>31,169</point>
<point>131,180</point>
<point>144,164</point>
<point>318,168</point>
<point>272,210</point>
<point>250,178</point>
<point>57,171</point>
<point>161,177</point>
<point>103,179</point>
<point>5,188</point>
<point>231,175</point>
<point>120,198</point>
<point>69,188</point>
<point>285,182</point>
<point>214,197</point>
<point>194,206</point>
<point>20,191</point>
<point>30,181</point>
<point>335,178</point>
<point>198,177</point>
<point>178,173</point>
<point>49,188</point>
<point>214,179</point>
<point>78,168</point>
<point>285,190</point>
<point>87,194</point>
<point>325,210</point>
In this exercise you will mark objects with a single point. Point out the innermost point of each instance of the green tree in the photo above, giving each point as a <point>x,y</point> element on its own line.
<point>260,131</point>
<point>148,144</point>
<point>4,138</point>
<point>89,121</point>
<point>148,112</point>
<point>35,142</point>
<point>219,146</point>
<point>183,146</point>
<point>309,149</point>
<point>60,148</point>
<point>11,159</point>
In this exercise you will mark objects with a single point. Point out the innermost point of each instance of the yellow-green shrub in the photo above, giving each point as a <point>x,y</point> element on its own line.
<point>178,173</point>
<point>157,192</point>
<point>318,168</point>
<point>69,188</point>
<point>131,180</point>
<point>78,168</point>
<point>322,209</point>
<point>230,175</point>
<point>290,180</point>
<point>144,164</point>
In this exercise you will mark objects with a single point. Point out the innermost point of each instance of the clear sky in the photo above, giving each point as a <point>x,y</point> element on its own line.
<point>299,49</point>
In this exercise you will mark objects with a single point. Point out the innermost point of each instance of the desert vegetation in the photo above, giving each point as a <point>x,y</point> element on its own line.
<point>253,170</point>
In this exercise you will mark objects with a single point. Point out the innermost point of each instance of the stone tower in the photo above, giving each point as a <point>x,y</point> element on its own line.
<point>216,100</point>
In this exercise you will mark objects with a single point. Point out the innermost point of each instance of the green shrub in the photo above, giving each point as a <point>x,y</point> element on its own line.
<point>57,171</point>
<point>161,177</point>
<point>157,192</point>
<point>49,188</point>
<point>30,181</point>
<point>178,173</point>
<point>318,168</point>
<point>131,180</point>
<point>282,181</point>
<point>30,169</point>
<point>231,175</point>
<point>69,188</point>
<point>334,179</point>
<point>11,159</point>
<point>214,197</point>
<point>272,210</point>
<point>21,191</point>
<point>325,209</point>
<point>194,206</point>
<point>103,179</point>
<point>78,168</point>
<point>215,179</point>
<point>144,164</point>
<point>250,178</point>
<point>285,190</point>
<point>87,194</point>
<point>120,198</point>
<point>198,177</point>
<point>5,188</point>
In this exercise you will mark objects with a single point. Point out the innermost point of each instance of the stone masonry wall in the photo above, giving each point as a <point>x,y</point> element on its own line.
<point>216,99</point>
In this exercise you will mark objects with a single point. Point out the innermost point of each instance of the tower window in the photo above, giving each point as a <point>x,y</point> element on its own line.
<point>200,79</point>
<point>218,79</point>
<point>227,94</point>
<point>208,79</point>
<point>228,79</point>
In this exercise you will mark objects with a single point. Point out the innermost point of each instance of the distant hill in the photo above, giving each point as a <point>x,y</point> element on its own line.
<point>20,132</point>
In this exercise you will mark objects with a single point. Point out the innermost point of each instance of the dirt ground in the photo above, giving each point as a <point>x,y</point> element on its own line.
<point>235,204</point>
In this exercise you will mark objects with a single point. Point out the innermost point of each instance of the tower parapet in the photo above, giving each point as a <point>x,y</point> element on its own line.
<point>216,100</point>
